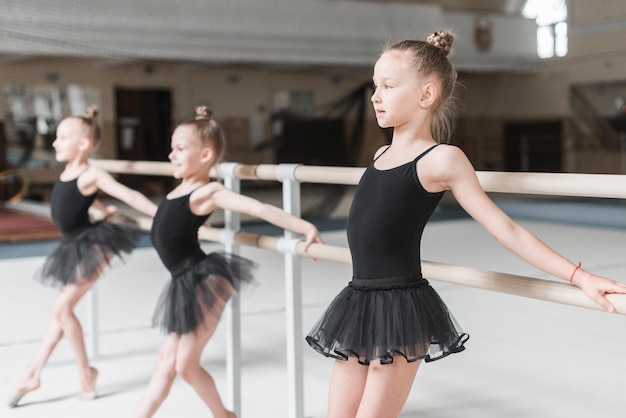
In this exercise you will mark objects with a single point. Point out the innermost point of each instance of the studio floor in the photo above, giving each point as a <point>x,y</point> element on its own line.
<point>525,358</point>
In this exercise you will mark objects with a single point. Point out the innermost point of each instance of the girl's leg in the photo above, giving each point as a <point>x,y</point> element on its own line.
<point>31,379</point>
<point>188,363</point>
<point>347,384</point>
<point>161,381</point>
<point>387,388</point>
<point>63,313</point>
<point>181,355</point>
<point>62,317</point>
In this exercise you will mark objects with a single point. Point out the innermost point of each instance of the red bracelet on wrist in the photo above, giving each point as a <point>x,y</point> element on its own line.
<point>574,272</point>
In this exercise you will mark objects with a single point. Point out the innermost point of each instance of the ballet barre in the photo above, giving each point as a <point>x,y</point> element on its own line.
<point>531,287</point>
<point>554,184</point>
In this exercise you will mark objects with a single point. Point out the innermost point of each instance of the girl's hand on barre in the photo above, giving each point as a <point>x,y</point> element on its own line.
<point>312,237</point>
<point>102,211</point>
<point>110,210</point>
<point>597,287</point>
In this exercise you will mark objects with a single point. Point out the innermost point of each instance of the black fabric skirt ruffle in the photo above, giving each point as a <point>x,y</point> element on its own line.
<point>84,255</point>
<point>381,322</point>
<point>202,283</point>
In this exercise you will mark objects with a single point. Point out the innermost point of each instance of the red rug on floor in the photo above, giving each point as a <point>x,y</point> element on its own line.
<point>18,226</point>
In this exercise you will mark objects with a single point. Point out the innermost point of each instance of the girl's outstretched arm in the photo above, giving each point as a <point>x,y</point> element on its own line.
<point>456,173</point>
<point>96,179</point>
<point>214,195</point>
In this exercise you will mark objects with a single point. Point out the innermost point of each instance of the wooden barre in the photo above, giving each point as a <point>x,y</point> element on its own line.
<point>154,168</point>
<point>556,184</point>
<point>530,287</point>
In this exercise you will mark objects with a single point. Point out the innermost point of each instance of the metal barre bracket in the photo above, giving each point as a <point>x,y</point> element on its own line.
<point>227,236</point>
<point>227,170</point>
<point>287,245</point>
<point>286,172</point>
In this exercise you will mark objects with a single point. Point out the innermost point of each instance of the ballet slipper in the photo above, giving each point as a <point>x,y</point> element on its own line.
<point>231,414</point>
<point>91,394</point>
<point>29,386</point>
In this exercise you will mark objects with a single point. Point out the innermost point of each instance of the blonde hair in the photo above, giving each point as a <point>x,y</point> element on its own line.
<point>431,57</point>
<point>209,132</point>
<point>89,120</point>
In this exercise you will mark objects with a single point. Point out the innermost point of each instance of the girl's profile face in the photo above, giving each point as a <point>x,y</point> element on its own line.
<point>186,152</point>
<point>68,140</point>
<point>397,94</point>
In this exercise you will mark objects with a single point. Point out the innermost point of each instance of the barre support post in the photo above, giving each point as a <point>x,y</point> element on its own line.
<point>232,223</point>
<point>285,173</point>
<point>93,323</point>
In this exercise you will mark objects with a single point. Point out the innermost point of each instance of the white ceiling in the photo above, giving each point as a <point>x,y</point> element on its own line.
<point>269,32</point>
<point>474,6</point>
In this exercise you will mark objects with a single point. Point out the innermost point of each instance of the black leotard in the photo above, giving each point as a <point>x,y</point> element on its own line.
<point>388,215</point>
<point>70,208</point>
<point>174,231</point>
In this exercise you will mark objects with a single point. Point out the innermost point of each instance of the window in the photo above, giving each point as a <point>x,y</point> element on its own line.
<point>551,18</point>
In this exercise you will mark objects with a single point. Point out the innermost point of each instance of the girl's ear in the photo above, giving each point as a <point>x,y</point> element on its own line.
<point>429,94</point>
<point>84,144</point>
<point>206,155</point>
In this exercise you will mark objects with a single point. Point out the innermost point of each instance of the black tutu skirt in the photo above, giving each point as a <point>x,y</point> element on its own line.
<point>381,322</point>
<point>84,255</point>
<point>201,284</point>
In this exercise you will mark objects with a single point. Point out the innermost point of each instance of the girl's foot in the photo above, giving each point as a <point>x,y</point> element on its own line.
<point>231,414</point>
<point>89,391</point>
<point>28,386</point>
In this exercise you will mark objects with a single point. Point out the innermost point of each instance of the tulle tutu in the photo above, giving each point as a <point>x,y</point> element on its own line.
<point>369,323</point>
<point>200,284</point>
<point>85,254</point>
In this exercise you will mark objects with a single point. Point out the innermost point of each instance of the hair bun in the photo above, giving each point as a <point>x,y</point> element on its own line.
<point>203,113</point>
<point>91,112</point>
<point>442,40</point>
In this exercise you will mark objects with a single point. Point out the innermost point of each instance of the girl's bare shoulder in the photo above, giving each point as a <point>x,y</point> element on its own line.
<point>446,156</point>
<point>206,190</point>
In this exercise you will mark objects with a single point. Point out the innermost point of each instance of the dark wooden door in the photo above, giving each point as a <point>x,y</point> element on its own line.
<point>535,146</point>
<point>144,128</point>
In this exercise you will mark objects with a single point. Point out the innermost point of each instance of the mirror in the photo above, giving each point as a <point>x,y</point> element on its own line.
<point>32,114</point>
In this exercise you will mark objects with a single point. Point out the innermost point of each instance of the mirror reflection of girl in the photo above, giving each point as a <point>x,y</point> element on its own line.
<point>191,306</point>
<point>86,247</point>
<point>389,319</point>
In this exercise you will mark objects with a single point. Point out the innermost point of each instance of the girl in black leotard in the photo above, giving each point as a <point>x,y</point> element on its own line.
<point>86,247</point>
<point>388,319</point>
<point>192,303</point>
